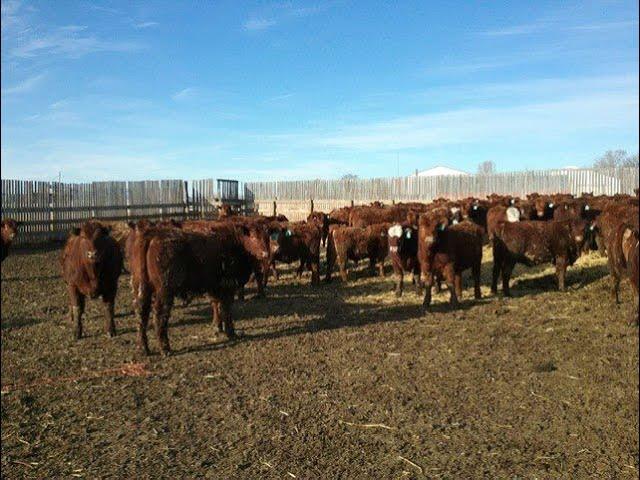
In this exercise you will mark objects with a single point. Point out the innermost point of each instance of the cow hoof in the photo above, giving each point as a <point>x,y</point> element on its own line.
<point>111,333</point>
<point>77,336</point>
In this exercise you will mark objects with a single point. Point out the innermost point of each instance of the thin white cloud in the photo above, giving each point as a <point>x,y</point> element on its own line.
<point>24,37</point>
<point>185,94</point>
<point>25,86</point>
<point>142,25</point>
<point>68,44</point>
<point>515,30</point>
<point>558,26</point>
<point>258,24</point>
<point>544,119</point>
<point>278,13</point>
<point>605,26</point>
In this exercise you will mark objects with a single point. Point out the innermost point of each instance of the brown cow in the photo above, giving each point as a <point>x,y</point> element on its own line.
<point>91,264</point>
<point>299,241</point>
<point>169,262</point>
<point>364,216</point>
<point>447,251</point>
<point>9,231</point>
<point>623,260</point>
<point>321,219</point>
<point>254,238</point>
<point>534,242</point>
<point>605,224</point>
<point>403,252</point>
<point>353,243</point>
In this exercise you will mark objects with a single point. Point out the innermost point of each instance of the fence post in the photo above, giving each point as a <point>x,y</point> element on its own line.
<point>185,199</point>
<point>311,205</point>
<point>52,219</point>
<point>352,203</point>
<point>275,208</point>
<point>128,198</point>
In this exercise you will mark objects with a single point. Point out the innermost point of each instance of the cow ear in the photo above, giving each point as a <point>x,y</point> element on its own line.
<point>74,232</point>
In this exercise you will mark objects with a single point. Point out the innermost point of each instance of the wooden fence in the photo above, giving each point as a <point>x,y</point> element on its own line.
<point>609,182</point>
<point>49,210</point>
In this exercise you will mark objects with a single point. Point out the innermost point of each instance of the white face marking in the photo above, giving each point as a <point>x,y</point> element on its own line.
<point>454,210</point>
<point>513,214</point>
<point>455,221</point>
<point>586,207</point>
<point>551,205</point>
<point>393,249</point>
<point>395,231</point>
<point>428,239</point>
<point>475,207</point>
<point>578,238</point>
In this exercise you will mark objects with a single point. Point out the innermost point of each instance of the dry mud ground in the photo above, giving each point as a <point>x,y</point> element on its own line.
<point>341,381</point>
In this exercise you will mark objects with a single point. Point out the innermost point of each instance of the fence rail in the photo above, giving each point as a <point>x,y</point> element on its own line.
<point>48,210</point>
<point>609,182</point>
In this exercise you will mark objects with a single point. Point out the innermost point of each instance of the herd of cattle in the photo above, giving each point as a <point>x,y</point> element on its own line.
<point>433,242</point>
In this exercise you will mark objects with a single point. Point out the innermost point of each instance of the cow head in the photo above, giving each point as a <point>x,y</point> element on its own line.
<point>456,214</point>
<point>403,239</point>
<point>543,207</point>
<point>93,241</point>
<point>431,227</point>
<point>9,229</point>
<point>257,242</point>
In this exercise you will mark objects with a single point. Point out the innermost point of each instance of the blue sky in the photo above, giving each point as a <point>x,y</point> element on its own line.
<point>259,90</point>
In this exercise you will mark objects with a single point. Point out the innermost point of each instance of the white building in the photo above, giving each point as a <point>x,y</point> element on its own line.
<point>439,171</point>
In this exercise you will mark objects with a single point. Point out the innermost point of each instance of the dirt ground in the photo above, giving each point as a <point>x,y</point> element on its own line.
<point>339,381</point>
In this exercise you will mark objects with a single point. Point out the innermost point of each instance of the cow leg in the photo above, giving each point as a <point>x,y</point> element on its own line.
<point>475,272</point>
<point>381,268</point>
<point>227,320</point>
<point>315,272</point>
<point>372,266</point>
<point>417,281</point>
<point>241,292</point>
<point>161,312</point>
<point>399,282</point>
<point>452,279</point>
<point>507,269</point>
<point>438,284</point>
<point>561,270</point>
<point>142,305</point>
<point>342,266</point>
<point>635,307</point>
<point>77,301</point>
<point>276,277</point>
<point>216,317</point>
<point>615,286</point>
<point>260,282</point>
<point>457,283</point>
<point>495,272</point>
<point>428,283</point>
<point>300,269</point>
<point>109,321</point>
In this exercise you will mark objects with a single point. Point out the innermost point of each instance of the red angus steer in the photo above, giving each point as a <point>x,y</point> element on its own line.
<point>446,252</point>
<point>403,252</point>
<point>168,263</point>
<point>364,216</point>
<point>533,243</point>
<point>91,264</point>
<point>543,208</point>
<point>353,243</point>
<point>253,237</point>
<point>321,219</point>
<point>9,231</point>
<point>299,241</point>
<point>623,260</point>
